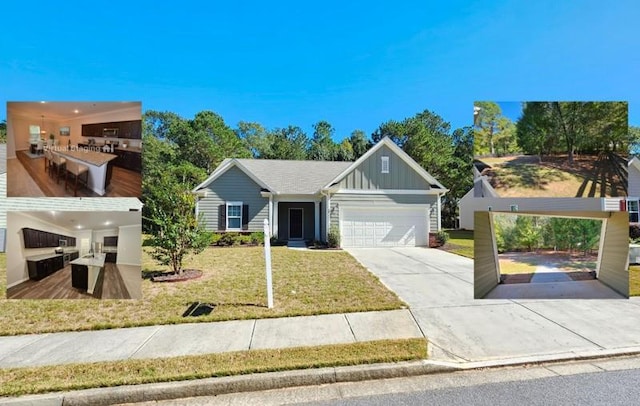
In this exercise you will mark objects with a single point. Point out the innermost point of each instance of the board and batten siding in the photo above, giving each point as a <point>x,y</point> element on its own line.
<point>614,253</point>
<point>391,200</point>
<point>634,181</point>
<point>234,186</point>
<point>485,263</point>
<point>368,175</point>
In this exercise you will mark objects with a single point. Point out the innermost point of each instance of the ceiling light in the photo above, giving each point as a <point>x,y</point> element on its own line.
<point>106,223</point>
<point>43,102</point>
<point>76,111</point>
<point>78,226</point>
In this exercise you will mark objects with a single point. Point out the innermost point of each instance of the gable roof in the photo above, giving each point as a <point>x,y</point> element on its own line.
<point>281,176</point>
<point>401,154</point>
<point>635,162</point>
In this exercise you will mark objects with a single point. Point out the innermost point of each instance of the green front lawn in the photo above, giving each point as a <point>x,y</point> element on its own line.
<point>305,283</point>
<point>634,280</point>
<point>460,242</point>
<point>22,381</point>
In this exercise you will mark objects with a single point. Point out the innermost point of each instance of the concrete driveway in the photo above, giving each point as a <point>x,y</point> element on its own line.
<point>438,286</point>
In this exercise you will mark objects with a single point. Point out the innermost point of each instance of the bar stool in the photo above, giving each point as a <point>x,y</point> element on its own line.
<point>58,163</point>
<point>76,170</point>
<point>47,160</point>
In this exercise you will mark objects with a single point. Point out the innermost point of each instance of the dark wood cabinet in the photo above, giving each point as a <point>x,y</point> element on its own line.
<point>80,276</point>
<point>128,160</point>
<point>42,268</point>
<point>111,241</point>
<point>131,129</point>
<point>73,256</point>
<point>43,239</point>
<point>111,257</point>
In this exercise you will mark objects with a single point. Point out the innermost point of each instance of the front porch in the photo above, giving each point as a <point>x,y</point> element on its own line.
<point>297,220</point>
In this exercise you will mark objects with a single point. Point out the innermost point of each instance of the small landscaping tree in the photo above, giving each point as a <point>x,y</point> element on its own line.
<point>176,231</point>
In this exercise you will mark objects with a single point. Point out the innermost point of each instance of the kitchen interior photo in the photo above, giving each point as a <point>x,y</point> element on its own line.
<point>74,255</point>
<point>80,149</point>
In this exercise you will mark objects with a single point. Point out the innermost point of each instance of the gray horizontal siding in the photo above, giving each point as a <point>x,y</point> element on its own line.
<point>368,175</point>
<point>634,182</point>
<point>234,186</point>
<point>373,200</point>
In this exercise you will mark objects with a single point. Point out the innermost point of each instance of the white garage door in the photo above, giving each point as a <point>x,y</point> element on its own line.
<point>388,227</point>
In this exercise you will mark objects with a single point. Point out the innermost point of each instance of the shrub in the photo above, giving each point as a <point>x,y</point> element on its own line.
<point>256,238</point>
<point>442,237</point>
<point>334,237</point>
<point>215,238</point>
<point>634,232</point>
<point>228,239</point>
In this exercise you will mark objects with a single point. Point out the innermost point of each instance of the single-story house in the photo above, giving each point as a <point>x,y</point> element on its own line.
<point>384,198</point>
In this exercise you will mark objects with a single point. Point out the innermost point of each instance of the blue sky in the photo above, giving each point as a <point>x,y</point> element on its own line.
<point>355,65</point>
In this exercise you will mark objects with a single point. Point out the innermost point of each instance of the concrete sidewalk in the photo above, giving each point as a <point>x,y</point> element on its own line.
<point>204,338</point>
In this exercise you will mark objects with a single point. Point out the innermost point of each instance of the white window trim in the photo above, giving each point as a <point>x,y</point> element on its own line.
<point>637,211</point>
<point>227,228</point>
<point>385,163</point>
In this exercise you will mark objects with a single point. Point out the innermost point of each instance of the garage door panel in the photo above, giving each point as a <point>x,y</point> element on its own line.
<point>387,227</point>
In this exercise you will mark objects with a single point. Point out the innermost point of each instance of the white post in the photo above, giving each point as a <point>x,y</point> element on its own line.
<point>317,220</point>
<point>267,257</point>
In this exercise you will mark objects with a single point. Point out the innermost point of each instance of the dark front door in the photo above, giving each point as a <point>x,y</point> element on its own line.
<point>295,224</point>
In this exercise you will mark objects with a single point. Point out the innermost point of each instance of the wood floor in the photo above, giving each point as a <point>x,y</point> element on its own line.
<point>58,286</point>
<point>124,183</point>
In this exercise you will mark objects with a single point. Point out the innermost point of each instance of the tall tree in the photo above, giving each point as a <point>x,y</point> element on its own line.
<point>486,126</point>
<point>322,147</point>
<point>288,143</point>
<point>255,137</point>
<point>359,143</point>
<point>3,132</point>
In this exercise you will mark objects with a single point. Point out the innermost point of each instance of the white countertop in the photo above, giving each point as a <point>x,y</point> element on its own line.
<point>97,260</point>
<point>42,256</point>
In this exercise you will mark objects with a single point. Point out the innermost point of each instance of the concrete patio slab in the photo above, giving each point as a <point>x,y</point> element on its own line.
<point>198,338</point>
<point>80,347</point>
<point>392,324</point>
<point>544,274</point>
<point>554,290</point>
<point>301,331</point>
<point>480,333</point>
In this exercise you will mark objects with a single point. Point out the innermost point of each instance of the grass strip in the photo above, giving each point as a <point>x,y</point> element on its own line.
<point>23,381</point>
<point>634,280</point>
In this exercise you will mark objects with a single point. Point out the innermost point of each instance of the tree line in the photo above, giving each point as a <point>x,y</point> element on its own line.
<point>529,233</point>
<point>552,128</point>
<point>180,153</point>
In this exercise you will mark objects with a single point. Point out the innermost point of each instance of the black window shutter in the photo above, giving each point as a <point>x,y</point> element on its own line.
<point>245,216</point>
<point>222,217</point>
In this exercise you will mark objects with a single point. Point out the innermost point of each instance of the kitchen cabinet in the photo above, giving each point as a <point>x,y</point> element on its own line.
<point>111,257</point>
<point>74,255</point>
<point>130,129</point>
<point>80,277</point>
<point>43,239</point>
<point>111,241</point>
<point>128,160</point>
<point>42,268</point>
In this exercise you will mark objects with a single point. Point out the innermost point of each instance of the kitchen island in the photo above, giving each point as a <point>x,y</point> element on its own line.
<point>86,270</point>
<point>99,163</point>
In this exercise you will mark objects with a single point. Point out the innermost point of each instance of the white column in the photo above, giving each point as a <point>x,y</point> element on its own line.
<point>317,218</point>
<point>275,219</point>
<point>327,220</point>
<point>439,214</point>
<point>271,214</point>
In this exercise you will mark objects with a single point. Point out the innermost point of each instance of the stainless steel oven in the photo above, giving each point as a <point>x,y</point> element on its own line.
<point>65,259</point>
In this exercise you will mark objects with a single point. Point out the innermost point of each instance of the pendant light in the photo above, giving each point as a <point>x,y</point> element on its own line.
<point>42,131</point>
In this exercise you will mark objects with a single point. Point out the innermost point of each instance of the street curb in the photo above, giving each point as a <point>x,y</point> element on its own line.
<point>287,379</point>
<point>232,384</point>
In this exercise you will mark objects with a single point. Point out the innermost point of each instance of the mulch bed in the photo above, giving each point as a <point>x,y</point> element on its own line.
<point>185,275</point>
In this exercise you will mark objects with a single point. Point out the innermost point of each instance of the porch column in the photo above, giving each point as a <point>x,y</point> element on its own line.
<point>317,218</point>
<point>439,214</point>
<point>275,218</point>
<point>327,218</point>
<point>271,213</point>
